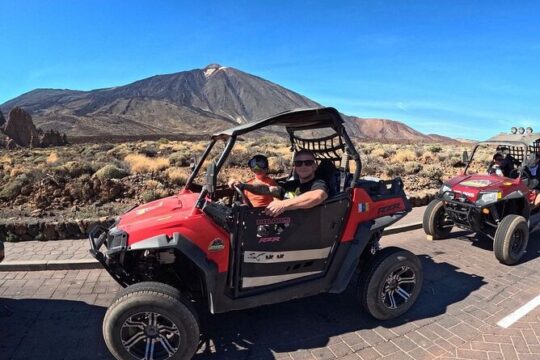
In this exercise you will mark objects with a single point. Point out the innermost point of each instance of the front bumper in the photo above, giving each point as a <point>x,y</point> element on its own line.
<point>101,236</point>
<point>465,214</point>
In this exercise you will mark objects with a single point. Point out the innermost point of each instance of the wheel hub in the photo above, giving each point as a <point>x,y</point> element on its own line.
<point>398,287</point>
<point>151,331</point>
<point>150,335</point>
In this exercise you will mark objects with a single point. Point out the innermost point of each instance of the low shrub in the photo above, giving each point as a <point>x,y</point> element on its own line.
<point>143,164</point>
<point>180,158</point>
<point>393,170</point>
<point>412,167</point>
<point>177,176</point>
<point>110,172</point>
<point>432,172</point>
<point>405,155</point>
<point>12,189</point>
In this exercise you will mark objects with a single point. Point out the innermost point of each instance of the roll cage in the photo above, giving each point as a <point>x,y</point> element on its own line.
<point>337,147</point>
<point>519,150</point>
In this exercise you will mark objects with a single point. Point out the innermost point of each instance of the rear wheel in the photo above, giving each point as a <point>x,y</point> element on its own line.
<point>390,283</point>
<point>436,223</point>
<point>151,321</point>
<point>511,239</point>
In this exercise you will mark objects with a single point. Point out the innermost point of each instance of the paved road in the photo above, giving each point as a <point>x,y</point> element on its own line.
<point>57,314</point>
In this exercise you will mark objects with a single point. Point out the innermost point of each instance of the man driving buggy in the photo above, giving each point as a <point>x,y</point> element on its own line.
<point>305,192</point>
<point>501,166</point>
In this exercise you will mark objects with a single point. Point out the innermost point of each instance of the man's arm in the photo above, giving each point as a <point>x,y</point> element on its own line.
<point>305,201</point>
<point>263,189</point>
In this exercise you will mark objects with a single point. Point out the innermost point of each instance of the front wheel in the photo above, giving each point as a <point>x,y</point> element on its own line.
<point>390,283</point>
<point>511,239</point>
<point>436,223</point>
<point>151,321</point>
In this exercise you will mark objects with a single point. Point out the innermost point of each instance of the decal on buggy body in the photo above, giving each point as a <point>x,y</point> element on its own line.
<point>389,209</point>
<point>271,221</point>
<point>149,208</point>
<point>363,207</point>
<point>269,239</point>
<point>476,183</point>
<point>285,256</point>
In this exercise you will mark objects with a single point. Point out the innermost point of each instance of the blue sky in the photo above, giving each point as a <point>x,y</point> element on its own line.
<point>458,68</point>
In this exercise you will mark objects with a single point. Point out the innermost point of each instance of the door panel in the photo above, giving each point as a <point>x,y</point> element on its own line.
<point>297,244</point>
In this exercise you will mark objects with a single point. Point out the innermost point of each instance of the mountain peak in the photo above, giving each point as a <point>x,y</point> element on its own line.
<point>211,69</point>
<point>190,102</point>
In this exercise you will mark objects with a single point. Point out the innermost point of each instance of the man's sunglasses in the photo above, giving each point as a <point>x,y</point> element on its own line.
<point>299,163</point>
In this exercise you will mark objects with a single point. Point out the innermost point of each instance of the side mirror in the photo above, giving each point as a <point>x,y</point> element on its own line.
<point>211,178</point>
<point>465,157</point>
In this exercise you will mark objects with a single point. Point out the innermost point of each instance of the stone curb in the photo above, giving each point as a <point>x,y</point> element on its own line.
<point>90,264</point>
<point>403,228</point>
<point>42,265</point>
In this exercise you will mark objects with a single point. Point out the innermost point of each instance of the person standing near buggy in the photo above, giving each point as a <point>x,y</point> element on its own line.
<point>303,193</point>
<point>533,170</point>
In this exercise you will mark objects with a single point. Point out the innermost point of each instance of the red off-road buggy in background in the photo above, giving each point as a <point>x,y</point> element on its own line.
<point>206,246</point>
<point>497,206</point>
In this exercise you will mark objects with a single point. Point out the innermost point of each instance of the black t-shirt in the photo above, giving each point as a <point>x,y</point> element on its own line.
<point>293,188</point>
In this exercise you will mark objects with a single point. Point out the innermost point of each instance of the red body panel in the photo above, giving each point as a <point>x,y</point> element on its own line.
<point>363,209</point>
<point>472,185</point>
<point>176,214</point>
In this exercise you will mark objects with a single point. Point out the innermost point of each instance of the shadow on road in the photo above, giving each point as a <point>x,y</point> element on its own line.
<point>60,329</point>
<point>310,323</point>
<point>51,329</point>
<point>482,241</point>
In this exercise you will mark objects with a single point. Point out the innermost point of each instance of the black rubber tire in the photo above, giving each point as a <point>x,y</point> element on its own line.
<point>373,278</point>
<point>504,239</point>
<point>430,222</point>
<point>152,297</point>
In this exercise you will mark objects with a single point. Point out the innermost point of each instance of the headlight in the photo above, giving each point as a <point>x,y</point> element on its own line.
<point>444,189</point>
<point>490,197</point>
<point>116,240</point>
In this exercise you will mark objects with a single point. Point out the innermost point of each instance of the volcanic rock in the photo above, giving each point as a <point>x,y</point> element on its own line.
<point>2,120</point>
<point>21,129</point>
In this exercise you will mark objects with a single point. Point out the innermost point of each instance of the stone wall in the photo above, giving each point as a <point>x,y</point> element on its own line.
<point>78,229</point>
<point>46,230</point>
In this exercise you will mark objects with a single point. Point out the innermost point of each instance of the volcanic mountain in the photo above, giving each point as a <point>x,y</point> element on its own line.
<point>189,102</point>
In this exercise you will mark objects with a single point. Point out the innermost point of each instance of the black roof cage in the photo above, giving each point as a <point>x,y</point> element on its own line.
<point>293,120</point>
<point>329,147</point>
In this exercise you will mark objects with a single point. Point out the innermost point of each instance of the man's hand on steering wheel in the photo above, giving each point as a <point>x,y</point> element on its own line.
<point>238,186</point>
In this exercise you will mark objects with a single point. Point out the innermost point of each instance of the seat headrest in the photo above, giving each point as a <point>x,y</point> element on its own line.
<point>326,169</point>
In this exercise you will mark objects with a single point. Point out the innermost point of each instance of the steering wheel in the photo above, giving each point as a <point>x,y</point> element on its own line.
<point>239,194</point>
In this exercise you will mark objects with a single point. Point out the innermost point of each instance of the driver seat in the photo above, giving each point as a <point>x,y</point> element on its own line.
<point>328,172</point>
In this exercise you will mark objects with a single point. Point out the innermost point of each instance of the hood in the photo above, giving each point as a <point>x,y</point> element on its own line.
<point>472,185</point>
<point>161,214</point>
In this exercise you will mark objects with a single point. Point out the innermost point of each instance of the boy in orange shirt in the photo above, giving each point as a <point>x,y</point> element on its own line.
<point>259,166</point>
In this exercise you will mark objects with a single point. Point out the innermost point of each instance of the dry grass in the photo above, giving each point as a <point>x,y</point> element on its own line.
<point>152,184</point>
<point>177,175</point>
<point>405,155</point>
<point>52,159</point>
<point>146,170</point>
<point>144,164</point>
